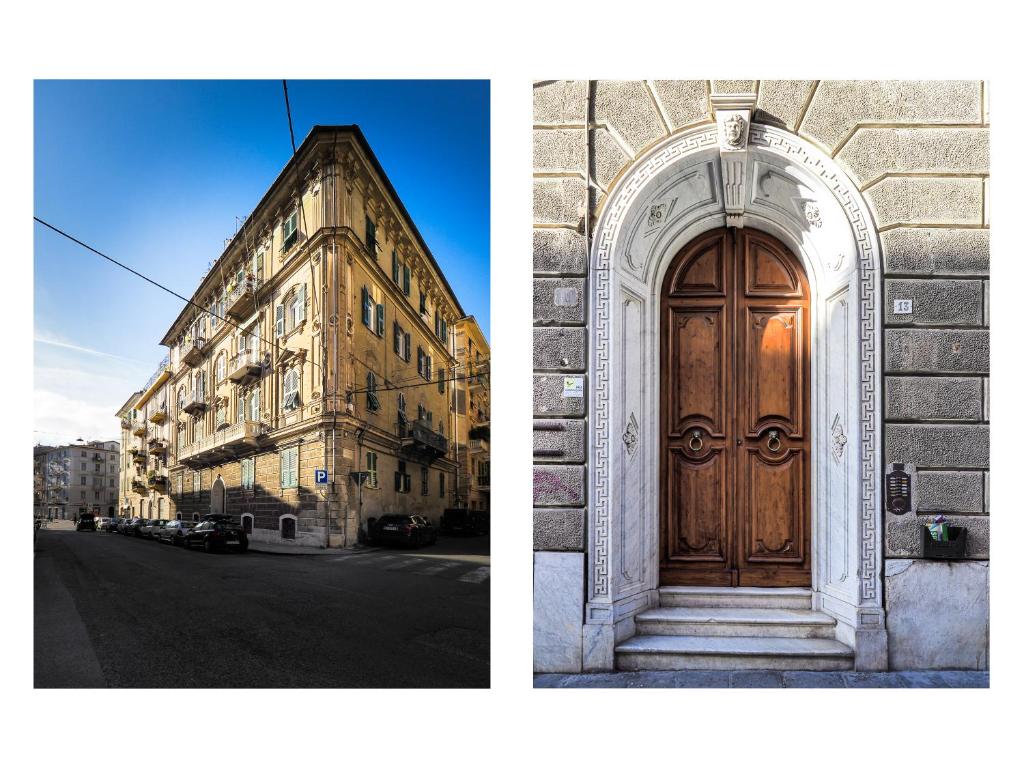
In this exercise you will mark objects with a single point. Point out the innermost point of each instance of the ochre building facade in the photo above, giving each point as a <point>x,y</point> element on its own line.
<point>321,339</point>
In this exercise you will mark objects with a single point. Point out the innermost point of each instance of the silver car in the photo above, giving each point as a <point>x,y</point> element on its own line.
<point>151,527</point>
<point>174,531</point>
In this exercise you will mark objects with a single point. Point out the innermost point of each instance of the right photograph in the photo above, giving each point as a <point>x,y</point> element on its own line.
<point>761,383</point>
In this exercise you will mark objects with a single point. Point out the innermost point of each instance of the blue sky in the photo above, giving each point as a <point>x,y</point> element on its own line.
<point>154,173</point>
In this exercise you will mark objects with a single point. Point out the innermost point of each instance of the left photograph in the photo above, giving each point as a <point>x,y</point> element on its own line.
<point>261,384</point>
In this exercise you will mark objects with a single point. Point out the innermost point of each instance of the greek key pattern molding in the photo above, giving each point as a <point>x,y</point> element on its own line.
<point>782,143</point>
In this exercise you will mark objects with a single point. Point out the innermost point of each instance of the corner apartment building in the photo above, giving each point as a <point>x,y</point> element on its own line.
<point>471,406</point>
<point>76,478</point>
<point>322,338</point>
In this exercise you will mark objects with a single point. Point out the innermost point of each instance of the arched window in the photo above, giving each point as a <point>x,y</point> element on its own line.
<point>247,523</point>
<point>287,526</point>
<point>221,372</point>
<point>291,389</point>
<point>372,403</point>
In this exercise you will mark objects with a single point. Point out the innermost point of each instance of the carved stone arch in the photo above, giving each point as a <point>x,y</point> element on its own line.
<point>695,181</point>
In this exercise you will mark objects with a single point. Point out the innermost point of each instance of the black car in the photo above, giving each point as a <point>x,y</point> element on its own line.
<point>411,530</point>
<point>465,522</point>
<point>86,522</point>
<point>217,532</point>
<point>174,532</point>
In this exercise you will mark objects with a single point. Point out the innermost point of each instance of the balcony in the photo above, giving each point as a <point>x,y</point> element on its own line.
<point>139,428</point>
<point>224,444</point>
<point>157,445</point>
<point>244,368</point>
<point>483,482</point>
<point>156,481</point>
<point>241,301</point>
<point>159,416</point>
<point>420,439</point>
<point>139,485</point>
<point>192,352</point>
<point>479,445</point>
<point>195,402</point>
<point>126,424</point>
<point>138,456</point>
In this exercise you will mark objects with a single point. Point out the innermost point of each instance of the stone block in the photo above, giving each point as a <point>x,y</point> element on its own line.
<point>559,440</point>
<point>780,101</point>
<point>937,614</point>
<point>733,86</point>
<point>558,611</point>
<point>839,105</point>
<point>903,534</point>
<point>626,106</point>
<point>558,200</point>
<point>558,530</point>
<point>916,200</point>
<point>909,398</point>
<point>929,251</point>
<point>910,350</point>
<point>549,398</point>
<point>559,300</point>
<point>557,485</point>
<point>961,493</point>
<point>682,101</point>
<point>559,251</point>
<point>559,349</point>
<point>560,101</point>
<point>938,445</point>
<point>872,152</point>
<point>607,158</point>
<point>936,302</point>
<point>560,150</point>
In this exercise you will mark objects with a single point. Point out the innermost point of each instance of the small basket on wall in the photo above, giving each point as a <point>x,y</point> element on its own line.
<point>953,549</point>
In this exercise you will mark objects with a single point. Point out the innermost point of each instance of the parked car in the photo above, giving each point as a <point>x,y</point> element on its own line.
<point>86,522</point>
<point>217,532</point>
<point>465,522</point>
<point>106,523</point>
<point>134,526</point>
<point>151,527</point>
<point>411,530</point>
<point>174,532</point>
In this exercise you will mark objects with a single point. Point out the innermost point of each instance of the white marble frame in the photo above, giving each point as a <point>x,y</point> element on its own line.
<point>669,196</point>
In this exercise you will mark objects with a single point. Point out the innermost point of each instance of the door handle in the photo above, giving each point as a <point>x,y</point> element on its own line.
<point>696,438</point>
<point>773,437</point>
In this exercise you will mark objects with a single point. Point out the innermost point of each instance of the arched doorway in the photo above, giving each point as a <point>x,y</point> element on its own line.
<point>767,182</point>
<point>218,497</point>
<point>736,414</point>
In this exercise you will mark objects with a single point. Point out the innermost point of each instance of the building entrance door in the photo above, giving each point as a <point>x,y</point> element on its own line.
<point>735,414</point>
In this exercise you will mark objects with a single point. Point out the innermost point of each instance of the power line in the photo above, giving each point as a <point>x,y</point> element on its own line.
<point>288,107</point>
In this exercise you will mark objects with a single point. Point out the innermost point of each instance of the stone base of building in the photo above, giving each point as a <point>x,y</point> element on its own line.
<point>937,614</point>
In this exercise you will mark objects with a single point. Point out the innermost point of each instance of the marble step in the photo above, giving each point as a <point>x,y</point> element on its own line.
<point>735,622</point>
<point>672,652</point>
<point>735,597</point>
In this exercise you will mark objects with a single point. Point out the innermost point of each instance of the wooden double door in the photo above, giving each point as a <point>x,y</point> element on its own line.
<point>735,427</point>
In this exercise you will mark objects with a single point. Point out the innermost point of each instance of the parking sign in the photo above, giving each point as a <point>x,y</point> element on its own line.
<point>320,476</point>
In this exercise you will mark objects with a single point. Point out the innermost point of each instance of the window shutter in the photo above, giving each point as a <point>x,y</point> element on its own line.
<point>430,367</point>
<point>419,360</point>
<point>279,320</point>
<point>380,319</point>
<point>396,332</point>
<point>366,307</point>
<point>398,481</point>
<point>394,266</point>
<point>408,347</point>
<point>301,314</point>
<point>406,279</point>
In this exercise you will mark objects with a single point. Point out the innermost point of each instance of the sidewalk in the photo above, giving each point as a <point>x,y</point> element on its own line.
<point>296,549</point>
<point>766,679</point>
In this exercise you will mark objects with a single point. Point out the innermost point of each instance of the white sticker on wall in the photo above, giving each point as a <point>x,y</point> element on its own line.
<point>572,386</point>
<point>903,306</point>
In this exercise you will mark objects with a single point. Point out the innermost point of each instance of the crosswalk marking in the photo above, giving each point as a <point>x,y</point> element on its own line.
<point>405,564</point>
<point>477,575</point>
<point>431,570</point>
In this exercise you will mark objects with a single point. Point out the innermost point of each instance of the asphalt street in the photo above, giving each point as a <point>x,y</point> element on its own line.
<point>114,611</point>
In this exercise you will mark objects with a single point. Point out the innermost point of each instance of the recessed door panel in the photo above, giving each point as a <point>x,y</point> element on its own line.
<point>698,353</point>
<point>735,379</point>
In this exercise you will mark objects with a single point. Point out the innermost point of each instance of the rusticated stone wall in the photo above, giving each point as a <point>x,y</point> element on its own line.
<point>918,151</point>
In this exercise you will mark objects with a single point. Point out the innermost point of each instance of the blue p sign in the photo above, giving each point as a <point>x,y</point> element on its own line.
<point>320,476</point>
